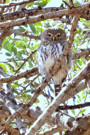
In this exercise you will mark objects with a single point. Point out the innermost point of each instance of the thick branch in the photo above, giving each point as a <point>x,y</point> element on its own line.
<point>37,11</point>
<point>27,19</point>
<point>26,74</point>
<point>24,12</point>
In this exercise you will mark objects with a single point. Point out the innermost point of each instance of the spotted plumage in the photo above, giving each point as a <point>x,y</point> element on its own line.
<point>49,52</point>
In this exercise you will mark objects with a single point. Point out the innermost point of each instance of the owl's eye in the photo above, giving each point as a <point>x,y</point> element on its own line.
<point>58,35</point>
<point>49,34</point>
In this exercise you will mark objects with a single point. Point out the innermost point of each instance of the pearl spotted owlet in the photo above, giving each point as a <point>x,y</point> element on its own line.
<point>49,52</point>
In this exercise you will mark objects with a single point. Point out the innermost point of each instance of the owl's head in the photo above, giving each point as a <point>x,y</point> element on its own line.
<point>53,36</point>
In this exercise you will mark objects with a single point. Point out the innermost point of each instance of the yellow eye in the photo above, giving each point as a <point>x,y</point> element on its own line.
<point>58,35</point>
<point>49,34</point>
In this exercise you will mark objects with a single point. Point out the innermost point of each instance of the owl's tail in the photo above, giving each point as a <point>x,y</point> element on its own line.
<point>57,88</point>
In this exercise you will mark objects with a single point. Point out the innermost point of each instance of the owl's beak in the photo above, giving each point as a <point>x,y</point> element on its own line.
<point>53,38</point>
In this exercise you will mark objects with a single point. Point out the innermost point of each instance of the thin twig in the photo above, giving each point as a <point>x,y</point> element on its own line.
<point>26,60</point>
<point>81,53</point>
<point>66,107</point>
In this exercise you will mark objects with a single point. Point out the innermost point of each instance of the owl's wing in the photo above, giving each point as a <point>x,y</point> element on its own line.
<point>42,54</point>
<point>41,58</point>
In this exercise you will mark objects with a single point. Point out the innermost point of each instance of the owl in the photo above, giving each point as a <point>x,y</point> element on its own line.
<point>53,42</point>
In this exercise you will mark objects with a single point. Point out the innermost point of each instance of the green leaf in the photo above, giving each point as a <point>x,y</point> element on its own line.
<point>14,50</point>
<point>21,29</point>
<point>42,3</point>
<point>8,54</point>
<point>32,26</point>
<point>21,44</point>
<point>30,4</point>
<point>7,1</point>
<point>73,111</point>
<point>47,25</point>
<point>83,95</point>
<point>4,67</point>
<point>79,62</point>
<point>82,111</point>
<point>76,3</point>
<point>85,22</point>
<point>38,24</point>
<point>25,95</point>
<point>37,101</point>
<point>19,53</point>
<point>38,30</point>
<point>13,125</point>
<point>8,46</point>
<point>36,84</point>
<point>14,85</point>
<point>30,63</point>
<point>15,91</point>
<point>35,46</point>
<point>78,96</point>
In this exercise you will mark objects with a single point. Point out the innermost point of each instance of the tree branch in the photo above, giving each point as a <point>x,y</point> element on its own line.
<point>26,60</point>
<point>80,54</point>
<point>66,107</point>
<point>74,11</point>
<point>54,10</point>
<point>16,32</point>
<point>26,74</point>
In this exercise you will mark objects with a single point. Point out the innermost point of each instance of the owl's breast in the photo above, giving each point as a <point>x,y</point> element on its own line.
<point>56,50</point>
<point>45,60</point>
<point>47,57</point>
